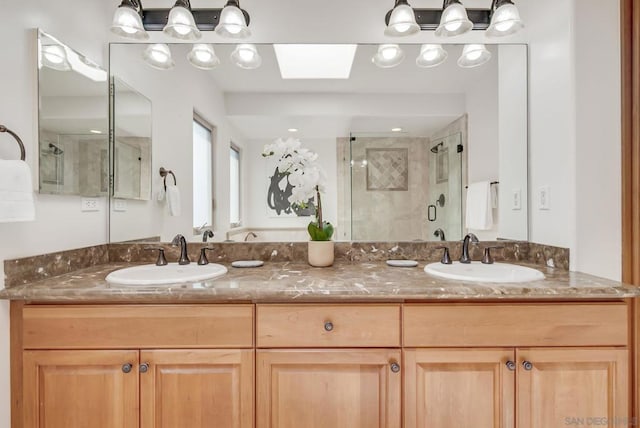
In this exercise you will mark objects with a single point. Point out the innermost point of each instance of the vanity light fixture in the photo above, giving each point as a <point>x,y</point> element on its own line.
<point>234,22</point>
<point>203,56</point>
<point>474,56</point>
<point>401,20</point>
<point>181,24</point>
<point>292,130</point>
<point>159,56</point>
<point>388,56</point>
<point>505,19</point>
<point>127,21</point>
<point>431,56</point>
<point>55,57</point>
<point>246,56</point>
<point>454,20</point>
<point>396,129</point>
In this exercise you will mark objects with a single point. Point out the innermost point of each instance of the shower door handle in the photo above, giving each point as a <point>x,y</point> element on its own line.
<point>432,210</point>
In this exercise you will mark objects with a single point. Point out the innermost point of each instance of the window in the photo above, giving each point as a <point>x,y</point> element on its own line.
<point>202,173</point>
<point>234,190</point>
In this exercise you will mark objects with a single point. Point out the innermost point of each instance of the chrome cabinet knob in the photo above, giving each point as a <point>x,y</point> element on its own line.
<point>328,326</point>
<point>395,367</point>
<point>527,365</point>
<point>511,365</point>
<point>144,367</point>
<point>126,368</point>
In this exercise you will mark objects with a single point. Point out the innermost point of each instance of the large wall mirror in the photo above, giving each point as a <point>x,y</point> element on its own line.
<point>73,121</point>
<point>401,146</point>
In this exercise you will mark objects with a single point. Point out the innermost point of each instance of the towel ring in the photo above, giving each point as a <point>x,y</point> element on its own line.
<point>164,173</point>
<point>23,155</point>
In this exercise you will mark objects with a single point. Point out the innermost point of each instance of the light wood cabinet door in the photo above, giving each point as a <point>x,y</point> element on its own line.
<point>572,387</point>
<point>446,388</point>
<point>329,388</point>
<point>79,389</point>
<point>198,388</point>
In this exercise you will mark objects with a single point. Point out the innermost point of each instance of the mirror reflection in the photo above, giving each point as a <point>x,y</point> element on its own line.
<point>131,142</point>
<point>409,152</point>
<point>72,120</point>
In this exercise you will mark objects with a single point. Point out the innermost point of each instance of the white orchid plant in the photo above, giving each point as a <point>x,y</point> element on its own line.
<point>307,178</point>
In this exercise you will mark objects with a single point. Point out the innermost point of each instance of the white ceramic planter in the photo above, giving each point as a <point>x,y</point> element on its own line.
<point>321,253</point>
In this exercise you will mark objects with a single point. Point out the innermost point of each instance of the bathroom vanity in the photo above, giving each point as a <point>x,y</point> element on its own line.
<point>356,345</point>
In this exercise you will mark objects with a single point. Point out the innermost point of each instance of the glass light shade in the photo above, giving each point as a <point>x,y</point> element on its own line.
<point>505,21</point>
<point>431,56</point>
<point>454,21</point>
<point>402,22</point>
<point>55,57</point>
<point>246,56</point>
<point>474,56</point>
<point>128,23</point>
<point>203,56</point>
<point>232,24</point>
<point>159,56</point>
<point>388,56</point>
<point>181,24</point>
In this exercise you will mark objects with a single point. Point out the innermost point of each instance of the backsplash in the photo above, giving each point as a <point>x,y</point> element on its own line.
<point>31,269</point>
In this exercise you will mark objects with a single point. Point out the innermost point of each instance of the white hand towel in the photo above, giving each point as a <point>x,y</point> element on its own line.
<point>16,192</point>
<point>479,215</point>
<point>173,200</point>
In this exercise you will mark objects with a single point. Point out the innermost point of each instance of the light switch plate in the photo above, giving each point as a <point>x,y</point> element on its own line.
<point>516,200</point>
<point>90,205</point>
<point>119,205</point>
<point>544,198</point>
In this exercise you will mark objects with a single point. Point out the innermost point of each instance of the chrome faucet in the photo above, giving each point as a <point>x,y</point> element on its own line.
<point>179,240</point>
<point>465,247</point>
<point>206,234</point>
<point>246,238</point>
<point>440,234</point>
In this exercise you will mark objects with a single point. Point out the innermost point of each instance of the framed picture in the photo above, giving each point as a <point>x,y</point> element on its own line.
<point>442,165</point>
<point>387,169</point>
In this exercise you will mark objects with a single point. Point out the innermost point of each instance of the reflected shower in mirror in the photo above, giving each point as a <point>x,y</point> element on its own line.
<point>399,145</point>
<point>131,142</point>
<point>72,121</point>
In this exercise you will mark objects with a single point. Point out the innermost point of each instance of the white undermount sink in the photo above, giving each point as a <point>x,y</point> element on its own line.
<point>478,272</point>
<point>170,274</point>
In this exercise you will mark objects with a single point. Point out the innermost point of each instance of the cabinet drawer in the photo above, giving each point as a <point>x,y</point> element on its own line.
<point>549,324</point>
<point>330,326</point>
<point>137,326</point>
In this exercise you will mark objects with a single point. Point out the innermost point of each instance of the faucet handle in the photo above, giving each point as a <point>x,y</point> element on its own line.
<point>446,258</point>
<point>487,259</point>
<point>203,256</point>
<point>162,260</point>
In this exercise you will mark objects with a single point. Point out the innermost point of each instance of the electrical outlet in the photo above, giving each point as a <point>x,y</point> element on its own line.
<point>544,198</point>
<point>90,204</point>
<point>119,205</point>
<point>516,200</point>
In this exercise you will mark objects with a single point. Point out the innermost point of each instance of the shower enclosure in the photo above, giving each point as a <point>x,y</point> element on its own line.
<point>402,188</point>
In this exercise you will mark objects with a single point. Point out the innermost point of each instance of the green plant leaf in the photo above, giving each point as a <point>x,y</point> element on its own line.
<point>318,234</point>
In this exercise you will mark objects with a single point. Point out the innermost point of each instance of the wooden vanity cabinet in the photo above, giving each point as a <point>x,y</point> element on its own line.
<point>322,366</point>
<point>190,366</point>
<point>439,365</point>
<point>574,370</point>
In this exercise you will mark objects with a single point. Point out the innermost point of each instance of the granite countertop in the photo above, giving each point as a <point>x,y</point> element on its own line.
<point>298,282</point>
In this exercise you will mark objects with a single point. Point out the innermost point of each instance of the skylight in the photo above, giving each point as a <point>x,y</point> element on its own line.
<point>315,61</point>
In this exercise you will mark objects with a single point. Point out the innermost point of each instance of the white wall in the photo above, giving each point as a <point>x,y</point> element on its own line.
<point>256,213</point>
<point>60,224</point>
<point>575,128</point>
<point>512,136</point>
<point>483,147</point>
<point>598,135</point>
